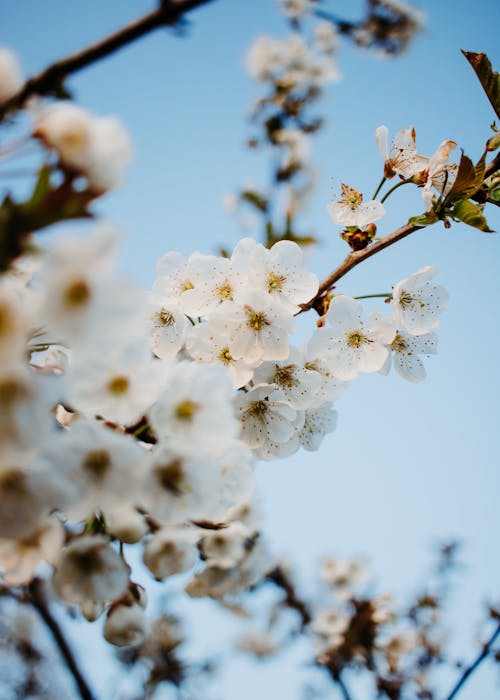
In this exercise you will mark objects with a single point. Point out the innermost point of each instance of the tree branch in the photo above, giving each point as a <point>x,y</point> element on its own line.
<point>355,258</point>
<point>37,599</point>
<point>50,80</point>
<point>470,669</point>
<point>280,579</point>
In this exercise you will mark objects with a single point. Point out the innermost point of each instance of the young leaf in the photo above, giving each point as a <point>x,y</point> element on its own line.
<point>468,180</point>
<point>490,79</point>
<point>470,214</point>
<point>425,219</point>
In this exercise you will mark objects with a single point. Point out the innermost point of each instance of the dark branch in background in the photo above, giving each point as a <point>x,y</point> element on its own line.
<point>470,669</point>
<point>354,259</point>
<point>37,599</point>
<point>50,81</point>
<point>280,579</point>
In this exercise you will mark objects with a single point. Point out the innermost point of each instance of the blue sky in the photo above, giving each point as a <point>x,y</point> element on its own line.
<point>408,465</point>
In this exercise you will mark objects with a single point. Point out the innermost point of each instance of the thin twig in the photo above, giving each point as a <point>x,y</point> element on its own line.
<point>470,669</point>
<point>50,80</point>
<point>343,688</point>
<point>357,257</point>
<point>37,599</point>
<point>280,579</point>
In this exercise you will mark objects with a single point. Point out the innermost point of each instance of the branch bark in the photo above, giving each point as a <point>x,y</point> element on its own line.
<point>37,599</point>
<point>470,669</point>
<point>357,257</point>
<point>51,79</point>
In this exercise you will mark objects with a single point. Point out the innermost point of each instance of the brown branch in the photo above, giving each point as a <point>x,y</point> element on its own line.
<point>37,599</point>
<point>51,79</point>
<point>280,579</point>
<point>470,669</point>
<point>354,259</point>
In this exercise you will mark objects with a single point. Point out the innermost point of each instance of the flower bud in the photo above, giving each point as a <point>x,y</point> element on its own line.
<point>125,625</point>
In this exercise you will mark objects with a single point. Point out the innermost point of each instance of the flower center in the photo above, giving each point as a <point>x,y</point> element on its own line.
<point>171,477</point>
<point>275,282</point>
<point>77,293</point>
<point>185,410</point>
<point>351,197</point>
<point>225,356</point>
<point>355,339</point>
<point>97,463</point>
<point>399,344</point>
<point>257,409</point>
<point>256,320</point>
<point>185,285</point>
<point>225,291</point>
<point>118,385</point>
<point>165,318</point>
<point>285,376</point>
<point>405,299</point>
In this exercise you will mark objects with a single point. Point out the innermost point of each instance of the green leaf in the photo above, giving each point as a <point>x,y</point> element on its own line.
<point>470,214</point>
<point>493,143</point>
<point>42,186</point>
<point>425,219</point>
<point>255,199</point>
<point>469,178</point>
<point>489,79</point>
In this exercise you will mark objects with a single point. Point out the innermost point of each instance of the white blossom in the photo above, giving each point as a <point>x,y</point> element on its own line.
<point>125,625</point>
<point>119,385</point>
<point>268,422</point>
<point>100,465</point>
<point>298,384</point>
<point>402,158</point>
<point>180,485</point>
<point>90,570</point>
<point>10,74</point>
<point>417,302</point>
<point>171,550</point>
<point>195,408</point>
<point>209,343</point>
<point>405,351</point>
<point>97,147</point>
<point>350,210</point>
<point>318,422</point>
<point>227,547</point>
<point>20,557</point>
<point>355,346</point>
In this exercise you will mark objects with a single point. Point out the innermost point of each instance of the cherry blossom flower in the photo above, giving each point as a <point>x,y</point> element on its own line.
<point>97,147</point>
<point>10,74</point>
<point>280,272</point>
<point>100,465</point>
<point>171,550</point>
<point>195,408</point>
<point>296,8</point>
<point>441,173</point>
<point>417,302</point>
<point>120,385</point>
<point>257,327</point>
<point>405,351</point>
<point>355,346</point>
<point>180,485</point>
<point>169,328</point>
<point>350,210</point>
<point>209,343</point>
<point>402,159</point>
<point>318,422</point>
<point>29,492</point>
<point>82,302</point>
<point>20,557</point>
<point>90,570</point>
<point>267,420</point>
<point>298,384</point>
<point>125,625</point>
<point>227,547</point>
